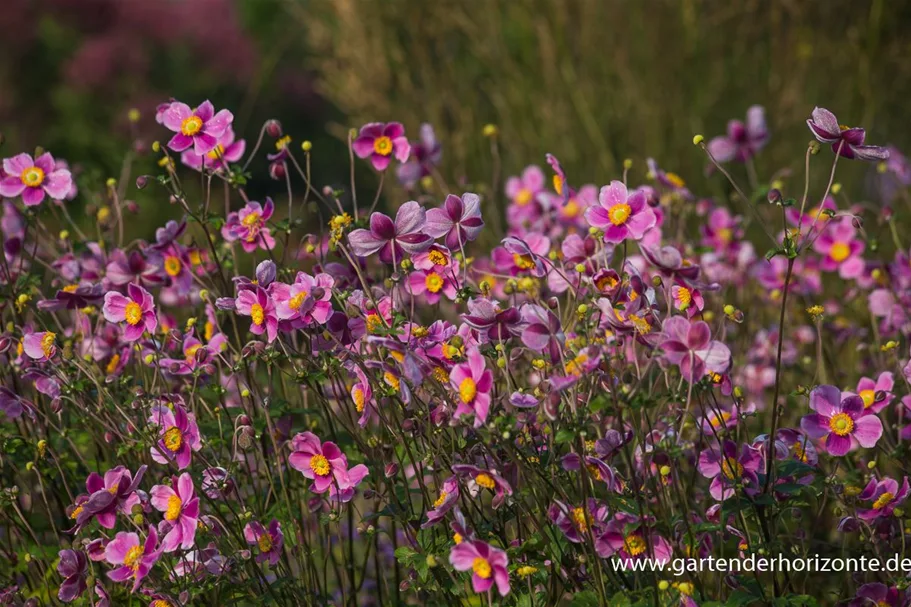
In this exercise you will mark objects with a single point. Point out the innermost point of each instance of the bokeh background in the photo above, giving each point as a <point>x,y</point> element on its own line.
<point>592,81</point>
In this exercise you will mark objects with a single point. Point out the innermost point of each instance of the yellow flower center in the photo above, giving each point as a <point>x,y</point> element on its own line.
<point>869,397</point>
<point>174,507</point>
<point>558,184</point>
<point>619,213</point>
<point>392,380</point>
<point>359,399</point>
<point>374,323</point>
<point>173,439</point>
<point>841,424</point>
<point>252,220</point>
<point>884,500</point>
<point>133,313</point>
<point>382,145</point>
<point>684,298</point>
<point>257,314</point>
<point>526,570</point>
<point>523,262</point>
<point>433,282</point>
<point>839,252</point>
<point>634,544</point>
<point>440,500</point>
<point>642,326</point>
<point>800,452</point>
<point>70,288</point>
<point>209,330</point>
<point>132,557</point>
<point>719,420</point>
<point>47,344</point>
<point>191,125</point>
<point>296,301</point>
<point>440,374</point>
<point>112,364</point>
<point>76,512</point>
<point>419,332</point>
<point>320,465</point>
<point>572,208</point>
<point>160,603</point>
<point>451,352</point>
<point>282,143</point>
<point>468,389</point>
<point>485,480</point>
<point>580,519</point>
<point>675,180</point>
<point>731,469</point>
<point>725,235</point>
<point>172,265</point>
<point>190,353</point>
<point>437,258</point>
<point>264,542</point>
<point>593,471</point>
<point>457,538</point>
<point>32,177</point>
<point>481,567</point>
<point>523,197</point>
<point>217,152</point>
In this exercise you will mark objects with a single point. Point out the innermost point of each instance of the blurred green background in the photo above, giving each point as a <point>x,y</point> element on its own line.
<point>592,81</point>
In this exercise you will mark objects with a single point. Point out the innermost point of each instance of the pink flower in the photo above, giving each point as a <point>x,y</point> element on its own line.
<point>269,541</point>
<point>200,128</point>
<point>487,564</point>
<point>459,220</point>
<point>841,249</point>
<point>472,381</point>
<point>621,215</point>
<point>523,193</point>
<point>432,284</point>
<point>689,345</point>
<point>108,495</point>
<point>742,140</point>
<point>248,225</point>
<point>393,239</point>
<point>226,150</point>
<point>257,304</point>
<point>304,302</point>
<point>323,463</point>
<point>40,346</point>
<point>34,179</point>
<point>869,390</point>
<point>137,311</point>
<point>178,435</point>
<point>885,495</point>
<point>380,141</point>
<point>135,560</point>
<point>181,513</point>
<point>625,536</point>
<point>840,421</point>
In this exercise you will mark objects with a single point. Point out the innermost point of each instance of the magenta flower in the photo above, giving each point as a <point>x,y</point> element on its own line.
<point>40,346</point>
<point>257,304</point>
<point>880,595</point>
<point>459,220</point>
<point>432,285</point>
<point>323,463</point>
<point>876,394</point>
<point>380,141</point>
<point>576,522</point>
<point>178,435</point>
<point>426,153</point>
<point>73,568</point>
<point>484,479</point>
<point>449,496</point>
<point>519,255</point>
<point>362,396</point>
<point>841,249</point>
<point>393,239</point>
<point>885,495</point>
<point>473,382</point>
<point>200,128</point>
<point>621,215</point>
<point>689,345</point>
<point>729,468</point>
<point>625,537</point>
<point>492,322</point>
<point>308,300</point>
<point>846,141</point>
<point>269,541</point>
<point>487,564</point>
<point>523,193</point>
<point>195,354</point>
<point>135,559</point>
<point>34,179</point>
<point>108,495</point>
<point>742,141</point>
<point>181,513</point>
<point>137,311</point>
<point>840,421</point>
<point>227,150</point>
<point>248,225</point>
<point>542,331</point>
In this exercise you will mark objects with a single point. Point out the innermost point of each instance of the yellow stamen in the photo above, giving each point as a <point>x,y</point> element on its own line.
<point>839,252</point>
<point>172,265</point>
<point>320,465</point>
<point>174,508</point>
<point>619,213</point>
<point>133,313</point>
<point>440,500</point>
<point>634,544</point>
<point>468,389</point>
<point>173,439</point>
<point>32,177</point>
<point>481,567</point>
<point>841,424</point>
<point>884,500</point>
<point>485,480</point>
<point>869,397</point>
<point>257,314</point>
<point>382,145</point>
<point>191,125</point>
<point>132,557</point>
<point>433,282</point>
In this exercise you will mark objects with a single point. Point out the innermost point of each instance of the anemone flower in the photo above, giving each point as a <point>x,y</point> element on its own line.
<point>841,422</point>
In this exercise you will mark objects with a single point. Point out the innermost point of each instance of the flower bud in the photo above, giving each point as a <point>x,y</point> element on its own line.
<point>307,146</point>
<point>142,181</point>
<point>265,273</point>
<point>274,128</point>
<point>774,196</point>
<point>490,130</point>
<point>697,139</point>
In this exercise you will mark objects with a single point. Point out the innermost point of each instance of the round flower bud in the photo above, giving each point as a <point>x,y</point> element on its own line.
<point>490,130</point>
<point>274,128</point>
<point>697,139</point>
<point>306,146</point>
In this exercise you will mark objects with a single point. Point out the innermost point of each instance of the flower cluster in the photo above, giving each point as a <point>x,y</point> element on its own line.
<point>407,407</point>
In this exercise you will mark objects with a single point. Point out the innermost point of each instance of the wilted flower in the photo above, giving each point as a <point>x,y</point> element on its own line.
<point>73,568</point>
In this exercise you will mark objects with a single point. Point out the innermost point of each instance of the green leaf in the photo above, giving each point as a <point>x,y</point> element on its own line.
<point>564,436</point>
